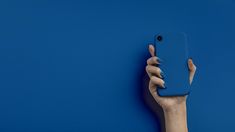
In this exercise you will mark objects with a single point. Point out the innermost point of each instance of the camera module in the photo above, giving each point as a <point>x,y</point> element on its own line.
<point>159,38</point>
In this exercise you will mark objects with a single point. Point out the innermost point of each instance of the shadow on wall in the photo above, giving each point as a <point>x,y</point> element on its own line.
<point>147,100</point>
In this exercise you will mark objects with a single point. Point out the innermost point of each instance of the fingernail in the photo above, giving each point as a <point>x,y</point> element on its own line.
<point>159,60</point>
<point>162,74</point>
<point>156,59</point>
<point>164,85</point>
<point>150,44</point>
<point>190,58</point>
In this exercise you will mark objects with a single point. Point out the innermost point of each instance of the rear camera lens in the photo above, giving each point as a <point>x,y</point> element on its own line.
<point>159,38</point>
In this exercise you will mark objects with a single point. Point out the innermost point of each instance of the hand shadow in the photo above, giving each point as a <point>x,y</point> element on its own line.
<point>149,102</point>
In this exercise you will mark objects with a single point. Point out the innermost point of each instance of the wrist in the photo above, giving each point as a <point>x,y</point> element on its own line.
<point>176,108</point>
<point>176,118</point>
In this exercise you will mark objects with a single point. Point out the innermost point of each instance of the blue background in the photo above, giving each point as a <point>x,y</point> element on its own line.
<point>78,65</point>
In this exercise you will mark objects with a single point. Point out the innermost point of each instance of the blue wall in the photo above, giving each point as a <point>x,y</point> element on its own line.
<point>78,65</point>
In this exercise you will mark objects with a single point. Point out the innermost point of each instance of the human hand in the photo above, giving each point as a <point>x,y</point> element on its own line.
<point>155,75</point>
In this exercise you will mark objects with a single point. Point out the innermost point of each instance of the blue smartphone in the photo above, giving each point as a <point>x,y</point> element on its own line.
<point>171,48</point>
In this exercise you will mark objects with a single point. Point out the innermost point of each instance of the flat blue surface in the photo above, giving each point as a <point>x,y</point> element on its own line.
<point>77,66</point>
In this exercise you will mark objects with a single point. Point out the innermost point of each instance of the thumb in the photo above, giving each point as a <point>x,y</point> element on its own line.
<point>192,70</point>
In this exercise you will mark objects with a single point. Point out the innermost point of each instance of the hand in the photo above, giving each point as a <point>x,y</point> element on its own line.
<point>154,73</point>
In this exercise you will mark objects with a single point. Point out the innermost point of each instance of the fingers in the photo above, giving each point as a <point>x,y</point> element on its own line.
<point>153,89</point>
<point>157,81</point>
<point>192,70</point>
<point>153,61</point>
<point>153,70</point>
<point>151,50</point>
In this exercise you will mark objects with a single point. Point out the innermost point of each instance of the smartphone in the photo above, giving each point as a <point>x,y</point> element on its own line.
<point>172,49</point>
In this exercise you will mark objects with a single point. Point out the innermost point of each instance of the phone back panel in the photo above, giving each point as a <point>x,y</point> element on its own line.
<point>172,49</point>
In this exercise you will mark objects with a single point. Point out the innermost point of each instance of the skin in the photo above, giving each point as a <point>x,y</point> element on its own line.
<point>174,107</point>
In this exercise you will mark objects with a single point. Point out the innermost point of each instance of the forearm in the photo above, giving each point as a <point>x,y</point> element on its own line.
<point>176,118</point>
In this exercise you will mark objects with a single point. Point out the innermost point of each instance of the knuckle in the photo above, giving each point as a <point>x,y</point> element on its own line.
<point>158,69</point>
<point>147,68</point>
<point>155,58</point>
<point>151,60</point>
<point>152,78</point>
<point>148,61</point>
